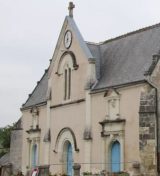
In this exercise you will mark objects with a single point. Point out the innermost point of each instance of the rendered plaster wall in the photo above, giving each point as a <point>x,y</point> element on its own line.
<point>147,131</point>
<point>68,113</point>
<point>27,123</point>
<point>68,116</point>
<point>78,77</point>
<point>129,110</point>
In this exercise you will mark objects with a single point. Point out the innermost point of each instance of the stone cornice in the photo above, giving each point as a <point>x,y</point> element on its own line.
<point>68,103</point>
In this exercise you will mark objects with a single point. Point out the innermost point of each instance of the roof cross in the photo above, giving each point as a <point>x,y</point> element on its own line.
<point>70,8</point>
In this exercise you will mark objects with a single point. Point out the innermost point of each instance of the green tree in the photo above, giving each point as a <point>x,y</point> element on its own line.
<point>5,136</point>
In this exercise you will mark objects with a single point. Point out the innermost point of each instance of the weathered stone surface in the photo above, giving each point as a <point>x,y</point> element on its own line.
<point>16,150</point>
<point>76,169</point>
<point>147,132</point>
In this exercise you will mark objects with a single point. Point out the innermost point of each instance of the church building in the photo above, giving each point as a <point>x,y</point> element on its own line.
<point>96,106</point>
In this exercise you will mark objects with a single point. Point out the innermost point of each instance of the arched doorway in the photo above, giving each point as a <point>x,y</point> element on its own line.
<point>34,155</point>
<point>68,157</point>
<point>115,157</point>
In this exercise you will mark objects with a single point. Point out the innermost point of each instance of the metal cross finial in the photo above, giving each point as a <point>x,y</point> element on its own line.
<point>70,8</point>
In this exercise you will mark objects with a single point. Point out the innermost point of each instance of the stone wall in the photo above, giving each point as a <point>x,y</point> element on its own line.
<point>147,131</point>
<point>16,150</point>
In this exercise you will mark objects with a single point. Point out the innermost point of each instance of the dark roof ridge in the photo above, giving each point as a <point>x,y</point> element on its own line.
<point>92,43</point>
<point>131,33</point>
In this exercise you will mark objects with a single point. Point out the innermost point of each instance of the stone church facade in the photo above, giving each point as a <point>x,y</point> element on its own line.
<point>96,105</point>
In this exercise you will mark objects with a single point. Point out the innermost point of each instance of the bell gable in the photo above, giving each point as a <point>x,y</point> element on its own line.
<point>70,65</point>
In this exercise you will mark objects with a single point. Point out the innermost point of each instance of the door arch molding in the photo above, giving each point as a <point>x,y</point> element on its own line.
<point>64,135</point>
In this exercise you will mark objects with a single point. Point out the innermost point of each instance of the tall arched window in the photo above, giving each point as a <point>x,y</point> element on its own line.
<point>115,157</point>
<point>67,83</point>
<point>34,155</point>
<point>65,66</point>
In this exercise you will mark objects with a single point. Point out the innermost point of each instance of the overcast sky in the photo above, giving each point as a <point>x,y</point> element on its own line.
<point>29,30</point>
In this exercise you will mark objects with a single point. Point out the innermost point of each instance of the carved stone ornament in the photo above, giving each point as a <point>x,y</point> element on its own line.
<point>113,103</point>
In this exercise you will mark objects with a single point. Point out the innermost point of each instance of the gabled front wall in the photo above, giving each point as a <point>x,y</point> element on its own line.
<point>78,78</point>
<point>67,114</point>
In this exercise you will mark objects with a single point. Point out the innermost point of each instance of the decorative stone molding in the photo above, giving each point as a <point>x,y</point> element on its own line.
<point>113,104</point>
<point>35,119</point>
<point>113,130</point>
<point>36,130</point>
<point>87,135</point>
<point>64,135</point>
<point>68,103</point>
<point>116,127</point>
<point>70,60</point>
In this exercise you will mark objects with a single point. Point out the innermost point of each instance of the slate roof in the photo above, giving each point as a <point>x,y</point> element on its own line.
<point>39,93</point>
<point>5,159</point>
<point>126,58</point>
<point>119,61</point>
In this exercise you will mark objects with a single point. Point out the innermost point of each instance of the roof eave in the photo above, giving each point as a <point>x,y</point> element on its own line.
<point>98,90</point>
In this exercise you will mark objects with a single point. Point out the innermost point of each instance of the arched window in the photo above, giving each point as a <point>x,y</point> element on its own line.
<point>68,158</point>
<point>115,157</point>
<point>66,65</point>
<point>67,82</point>
<point>34,155</point>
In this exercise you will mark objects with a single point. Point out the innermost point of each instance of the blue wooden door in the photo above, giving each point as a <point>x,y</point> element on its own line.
<point>69,160</point>
<point>115,157</point>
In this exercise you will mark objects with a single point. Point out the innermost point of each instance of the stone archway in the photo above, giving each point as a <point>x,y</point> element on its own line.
<point>65,147</point>
<point>64,135</point>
